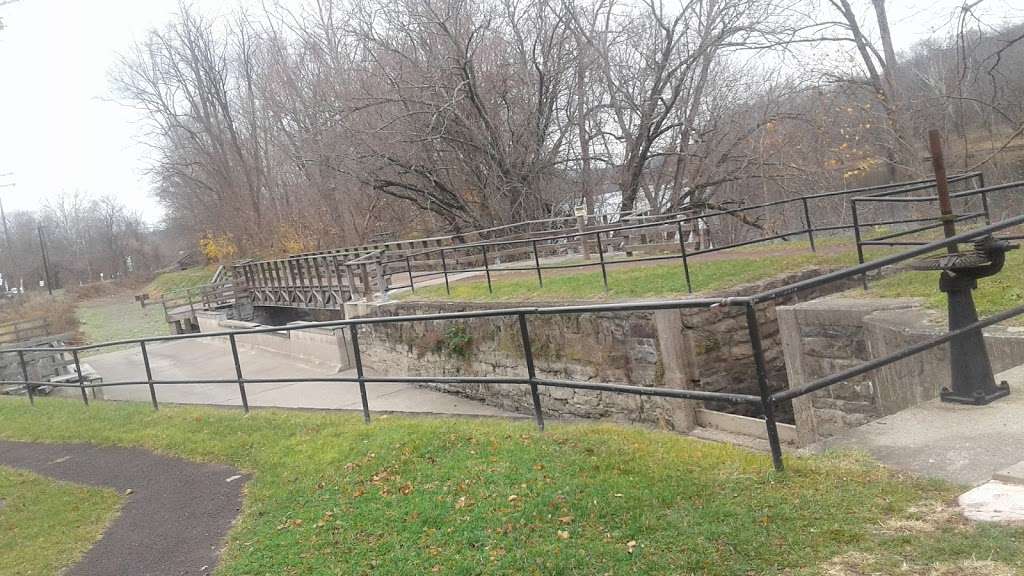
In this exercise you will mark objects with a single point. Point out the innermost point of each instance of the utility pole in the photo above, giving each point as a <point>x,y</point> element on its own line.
<point>46,264</point>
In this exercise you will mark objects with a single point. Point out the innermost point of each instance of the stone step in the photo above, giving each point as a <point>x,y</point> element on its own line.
<point>1012,475</point>
<point>994,502</point>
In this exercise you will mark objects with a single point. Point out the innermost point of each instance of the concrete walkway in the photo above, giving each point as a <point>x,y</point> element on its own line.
<point>962,444</point>
<point>206,358</point>
<point>173,523</point>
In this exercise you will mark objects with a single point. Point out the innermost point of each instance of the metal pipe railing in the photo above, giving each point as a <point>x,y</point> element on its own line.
<point>766,399</point>
<point>663,221</point>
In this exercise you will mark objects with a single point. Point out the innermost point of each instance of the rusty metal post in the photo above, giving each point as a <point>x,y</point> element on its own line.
<point>942,187</point>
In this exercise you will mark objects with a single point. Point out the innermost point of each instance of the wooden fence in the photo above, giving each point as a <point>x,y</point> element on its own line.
<point>22,330</point>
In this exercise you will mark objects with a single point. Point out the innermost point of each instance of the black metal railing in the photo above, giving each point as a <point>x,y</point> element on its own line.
<point>482,255</point>
<point>765,399</point>
<point>893,201</point>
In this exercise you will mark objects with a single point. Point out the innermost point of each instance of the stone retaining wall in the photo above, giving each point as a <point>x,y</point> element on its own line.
<point>705,349</point>
<point>826,336</point>
<point>41,365</point>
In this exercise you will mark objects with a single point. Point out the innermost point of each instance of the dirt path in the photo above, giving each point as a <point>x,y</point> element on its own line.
<point>173,522</point>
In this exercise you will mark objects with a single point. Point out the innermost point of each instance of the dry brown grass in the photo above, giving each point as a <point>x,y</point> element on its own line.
<point>59,312</point>
<point>859,564</point>
<point>927,519</point>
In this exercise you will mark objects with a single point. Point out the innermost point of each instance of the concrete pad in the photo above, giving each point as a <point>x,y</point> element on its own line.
<point>1012,475</point>
<point>994,502</point>
<point>208,358</point>
<point>958,443</point>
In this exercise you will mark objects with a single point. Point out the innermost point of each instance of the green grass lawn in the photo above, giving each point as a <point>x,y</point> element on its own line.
<point>119,318</point>
<point>404,495</point>
<point>180,280</point>
<point>630,281</point>
<point>994,294</point>
<point>47,525</point>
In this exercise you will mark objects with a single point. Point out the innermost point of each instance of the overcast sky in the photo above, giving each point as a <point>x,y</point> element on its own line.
<point>59,129</point>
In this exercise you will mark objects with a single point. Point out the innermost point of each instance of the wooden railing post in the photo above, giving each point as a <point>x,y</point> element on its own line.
<point>581,225</point>
<point>364,274</point>
<point>382,278</point>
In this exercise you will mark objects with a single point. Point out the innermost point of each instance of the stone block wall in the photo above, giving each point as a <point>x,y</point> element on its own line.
<point>41,365</point>
<point>628,348</point>
<point>826,336</point>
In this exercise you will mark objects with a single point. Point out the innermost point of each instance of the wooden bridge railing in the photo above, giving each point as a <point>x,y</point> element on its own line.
<point>22,330</point>
<point>315,281</point>
<point>204,297</point>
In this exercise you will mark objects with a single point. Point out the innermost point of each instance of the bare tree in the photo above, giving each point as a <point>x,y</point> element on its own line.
<point>655,62</point>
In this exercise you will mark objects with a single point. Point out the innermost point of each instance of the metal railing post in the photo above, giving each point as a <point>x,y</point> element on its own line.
<point>357,357</point>
<point>81,381</point>
<point>444,270</point>
<point>149,374</point>
<point>767,403</point>
<point>857,240</point>
<point>600,255</point>
<point>536,263</point>
<point>682,249</point>
<point>24,376</point>
<point>531,370</point>
<point>408,269</point>
<point>487,268</point>
<point>238,372</point>
<point>807,220</point>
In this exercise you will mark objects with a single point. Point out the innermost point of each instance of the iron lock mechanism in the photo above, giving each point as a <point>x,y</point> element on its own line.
<point>972,381</point>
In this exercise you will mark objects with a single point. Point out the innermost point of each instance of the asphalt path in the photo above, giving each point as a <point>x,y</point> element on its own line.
<point>176,513</point>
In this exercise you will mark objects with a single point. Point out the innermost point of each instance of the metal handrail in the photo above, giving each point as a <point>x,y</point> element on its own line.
<point>595,235</point>
<point>766,399</point>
